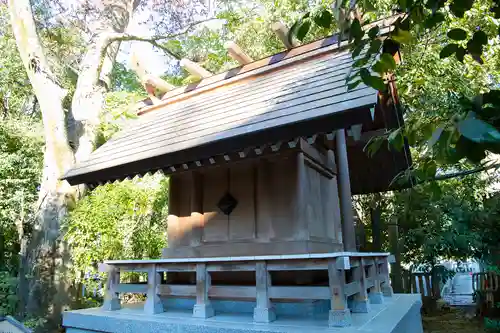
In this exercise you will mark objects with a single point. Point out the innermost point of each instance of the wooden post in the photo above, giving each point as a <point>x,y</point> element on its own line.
<point>153,302</point>
<point>360,302</point>
<point>340,315</point>
<point>264,311</point>
<point>394,248</point>
<point>386,281</point>
<point>111,299</point>
<point>344,184</point>
<point>203,307</point>
<point>375,295</point>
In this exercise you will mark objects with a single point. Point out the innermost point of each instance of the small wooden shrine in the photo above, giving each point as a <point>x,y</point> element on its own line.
<point>263,161</point>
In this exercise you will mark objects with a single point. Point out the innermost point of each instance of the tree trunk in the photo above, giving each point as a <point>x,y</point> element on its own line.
<point>92,86</point>
<point>47,256</point>
<point>44,250</point>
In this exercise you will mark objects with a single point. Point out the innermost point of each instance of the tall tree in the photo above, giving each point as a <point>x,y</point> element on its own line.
<point>46,255</point>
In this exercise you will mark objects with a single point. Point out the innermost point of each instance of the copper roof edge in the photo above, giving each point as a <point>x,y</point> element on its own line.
<point>259,67</point>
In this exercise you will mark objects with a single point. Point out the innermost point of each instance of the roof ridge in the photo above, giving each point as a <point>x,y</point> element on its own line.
<point>270,63</point>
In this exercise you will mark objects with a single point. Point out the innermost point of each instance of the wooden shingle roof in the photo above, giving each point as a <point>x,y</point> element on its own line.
<point>297,93</point>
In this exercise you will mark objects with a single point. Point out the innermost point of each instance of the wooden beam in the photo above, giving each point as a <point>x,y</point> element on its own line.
<point>237,53</point>
<point>282,32</point>
<point>195,69</point>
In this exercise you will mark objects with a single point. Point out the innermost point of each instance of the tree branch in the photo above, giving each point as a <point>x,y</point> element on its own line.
<point>110,38</point>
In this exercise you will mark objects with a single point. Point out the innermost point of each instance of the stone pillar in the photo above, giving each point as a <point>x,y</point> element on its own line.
<point>344,184</point>
<point>153,302</point>
<point>339,315</point>
<point>203,307</point>
<point>264,311</point>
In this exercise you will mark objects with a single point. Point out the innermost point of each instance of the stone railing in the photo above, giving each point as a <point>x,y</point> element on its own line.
<point>367,282</point>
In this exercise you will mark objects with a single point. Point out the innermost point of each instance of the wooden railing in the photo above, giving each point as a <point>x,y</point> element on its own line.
<point>368,282</point>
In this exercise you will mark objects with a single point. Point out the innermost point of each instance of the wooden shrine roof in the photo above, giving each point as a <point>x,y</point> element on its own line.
<point>297,94</point>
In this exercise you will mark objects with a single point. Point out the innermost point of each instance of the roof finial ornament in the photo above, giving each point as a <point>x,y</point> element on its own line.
<point>237,53</point>
<point>195,69</point>
<point>282,32</point>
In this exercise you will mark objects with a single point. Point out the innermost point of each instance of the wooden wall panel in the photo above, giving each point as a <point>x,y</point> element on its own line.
<point>242,188</point>
<point>315,201</point>
<point>283,192</point>
<point>264,204</point>
<point>184,232</point>
<point>215,185</point>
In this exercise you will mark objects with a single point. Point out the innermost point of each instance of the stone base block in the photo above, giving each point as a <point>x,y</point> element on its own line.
<point>112,304</point>
<point>359,306</point>
<point>153,306</point>
<point>339,318</point>
<point>387,291</point>
<point>376,297</point>
<point>203,311</point>
<point>264,315</point>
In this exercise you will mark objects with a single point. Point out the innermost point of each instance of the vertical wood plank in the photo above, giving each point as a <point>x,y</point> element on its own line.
<point>111,297</point>
<point>340,315</point>
<point>215,185</point>
<point>301,218</point>
<point>196,208</point>
<point>153,302</point>
<point>264,311</point>
<point>203,308</point>
<point>263,200</point>
<point>242,219</point>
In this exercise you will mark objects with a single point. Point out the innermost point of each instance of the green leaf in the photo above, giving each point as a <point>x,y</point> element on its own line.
<point>360,62</point>
<point>379,67</point>
<point>396,139</point>
<point>436,191</point>
<point>375,46</point>
<point>375,82</point>
<point>373,32</point>
<point>481,37</point>
<point>460,54</point>
<point>434,20</point>
<point>430,169</point>
<point>353,85</point>
<point>402,36</point>
<point>388,61</point>
<point>478,131</point>
<point>355,31</point>
<point>457,34</point>
<point>448,50</point>
<point>373,145</point>
<point>459,7</point>
<point>303,28</point>
<point>323,18</point>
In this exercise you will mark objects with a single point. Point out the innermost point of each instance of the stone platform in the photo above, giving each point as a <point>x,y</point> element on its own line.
<point>397,314</point>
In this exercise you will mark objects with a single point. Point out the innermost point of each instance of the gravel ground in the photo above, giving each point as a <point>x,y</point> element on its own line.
<point>452,321</point>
